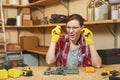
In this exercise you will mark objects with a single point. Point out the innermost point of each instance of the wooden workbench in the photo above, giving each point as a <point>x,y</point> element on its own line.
<point>38,74</point>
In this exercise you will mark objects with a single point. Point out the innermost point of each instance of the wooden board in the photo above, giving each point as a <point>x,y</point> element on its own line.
<point>39,50</point>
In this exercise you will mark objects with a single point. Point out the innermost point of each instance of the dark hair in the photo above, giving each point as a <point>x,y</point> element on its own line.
<point>77,17</point>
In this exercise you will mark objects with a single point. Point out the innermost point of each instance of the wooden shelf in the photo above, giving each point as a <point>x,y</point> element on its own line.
<point>63,24</point>
<point>51,2</point>
<point>14,51</point>
<point>35,26</point>
<point>102,22</point>
<point>39,50</point>
<point>2,55</point>
<point>37,3</point>
<point>15,59</point>
<point>2,51</point>
<point>44,2</point>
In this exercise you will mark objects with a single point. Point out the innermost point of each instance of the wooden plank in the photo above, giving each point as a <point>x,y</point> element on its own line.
<point>45,2</point>
<point>37,3</point>
<point>102,22</point>
<point>35,26</point>
<point>15,59</point>
<point>39,50</point>
<point>2,51</point>
<point>63,24</point>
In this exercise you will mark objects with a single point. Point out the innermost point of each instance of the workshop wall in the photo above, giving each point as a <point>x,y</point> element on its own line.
<point>103,38</point>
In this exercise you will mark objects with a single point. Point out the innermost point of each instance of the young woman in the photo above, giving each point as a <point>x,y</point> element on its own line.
<point>74,49</point>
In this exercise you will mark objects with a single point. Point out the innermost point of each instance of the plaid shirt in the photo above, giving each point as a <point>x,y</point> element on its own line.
<point>62,50</point>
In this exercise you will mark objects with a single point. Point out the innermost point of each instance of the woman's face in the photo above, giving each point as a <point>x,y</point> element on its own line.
<point>74,30</point>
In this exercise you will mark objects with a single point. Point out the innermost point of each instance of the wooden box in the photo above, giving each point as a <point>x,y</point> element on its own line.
<point>28,42</point>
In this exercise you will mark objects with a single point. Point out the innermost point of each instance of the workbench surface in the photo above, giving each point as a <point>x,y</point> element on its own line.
<point>38,74</point>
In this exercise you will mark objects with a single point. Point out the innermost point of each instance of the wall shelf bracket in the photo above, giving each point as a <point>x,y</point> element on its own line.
<point>41,9</point>
<point>114,33</point>
<point>65,3</point>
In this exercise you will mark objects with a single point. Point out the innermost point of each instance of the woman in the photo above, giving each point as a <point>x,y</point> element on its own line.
<point>74,49</point>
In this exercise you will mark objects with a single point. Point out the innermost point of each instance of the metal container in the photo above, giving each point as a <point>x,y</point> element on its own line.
<point>97,10</point>
<point>101,10</point>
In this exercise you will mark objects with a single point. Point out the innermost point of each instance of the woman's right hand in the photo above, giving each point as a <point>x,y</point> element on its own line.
<point>56,33</point>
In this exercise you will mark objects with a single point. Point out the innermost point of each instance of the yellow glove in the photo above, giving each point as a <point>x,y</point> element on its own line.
<point>88,35</point>
<point>56,33</point>
<point>14,73</point>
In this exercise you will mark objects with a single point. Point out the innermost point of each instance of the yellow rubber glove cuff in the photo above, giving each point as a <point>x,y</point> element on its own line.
<point>56,33</point>
<point>88,35</point>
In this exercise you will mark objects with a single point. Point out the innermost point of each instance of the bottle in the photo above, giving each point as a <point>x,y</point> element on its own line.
<point>115,12</point>
<point>90,10</point>
<point>119,11</point>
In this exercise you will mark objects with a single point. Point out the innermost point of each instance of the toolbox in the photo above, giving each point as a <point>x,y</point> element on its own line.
<point>110,56</point>
<point>114,78</point>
